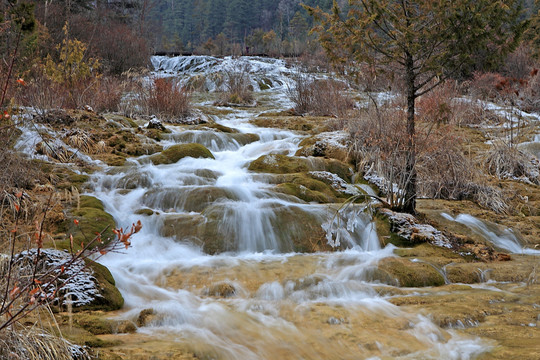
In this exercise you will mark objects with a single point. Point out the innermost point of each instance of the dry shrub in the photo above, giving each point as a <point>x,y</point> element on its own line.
<point>518,64</point>
<point>380,143</point>
<point>237,87</point>
<point>165,99</point>
<point>105,95</point>
<point>16,171</point>
<point>484,85</point>
<point>319,97</point>
<point>445,105</point>
<point>507,162</point>
<point>43,94</point>
<point>531,93</point>
<point>316,62</point>
<point>438,105</point>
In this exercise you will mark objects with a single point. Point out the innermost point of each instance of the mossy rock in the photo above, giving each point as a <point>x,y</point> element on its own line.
<point>312,146</point>
<point>307,188</point>
<point>282,164</point>
<point>218,127</point>
<point>411,274</point>
<point>311,124</point>
<point>245,138</point>
<point>386,236</point>
<point>174,153</point>
<point>80,336</point>
<point>67,179</point>
<point>303,193</point>
<point>339,168</point>
<point>124,120</point>
<point>111,298</point>
<point>145,212</point>
<point>95,323</point>
<point>195,199</point>
<point>220,290</point>
<point>92,220</point>
<point>279,164</point>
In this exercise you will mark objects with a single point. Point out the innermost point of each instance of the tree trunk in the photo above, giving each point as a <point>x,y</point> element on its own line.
<point>410,167</point>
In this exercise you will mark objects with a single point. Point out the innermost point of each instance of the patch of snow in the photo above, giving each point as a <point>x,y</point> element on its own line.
<point>335,182</point>
<point>76,281</point>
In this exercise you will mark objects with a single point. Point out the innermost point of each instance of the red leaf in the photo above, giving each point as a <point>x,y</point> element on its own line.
<point>76,222</point>
<point>34,290</point>
<point>14,291</point>
<point>137,227</point>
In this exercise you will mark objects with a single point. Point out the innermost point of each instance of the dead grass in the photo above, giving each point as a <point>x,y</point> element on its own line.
<point>33,343</point>
<point>507,162</point>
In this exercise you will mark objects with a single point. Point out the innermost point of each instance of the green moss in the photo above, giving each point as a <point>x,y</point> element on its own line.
<point>155,134</point>
<point>86,201</point>
<point>428,251</point>
<point>174,153</point>
<point>80,336</point>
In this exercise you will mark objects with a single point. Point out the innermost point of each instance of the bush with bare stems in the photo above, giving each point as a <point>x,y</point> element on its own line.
<point>380,139</point>
<point>165,99</point>
<point>319,97</point>
<point>484,85</point>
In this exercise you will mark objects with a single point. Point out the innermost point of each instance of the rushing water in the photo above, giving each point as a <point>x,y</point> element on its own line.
<point>258,300</point>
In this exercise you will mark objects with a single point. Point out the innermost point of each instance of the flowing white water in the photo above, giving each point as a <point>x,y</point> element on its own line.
<point>502,238</point>
<point>258,300</point>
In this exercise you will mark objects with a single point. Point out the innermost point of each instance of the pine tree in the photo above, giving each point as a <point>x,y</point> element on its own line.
<point>429,40</point>
<point>532,35</point>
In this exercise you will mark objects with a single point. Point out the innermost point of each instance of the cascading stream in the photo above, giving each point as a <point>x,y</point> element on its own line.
<point>259,299</point>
